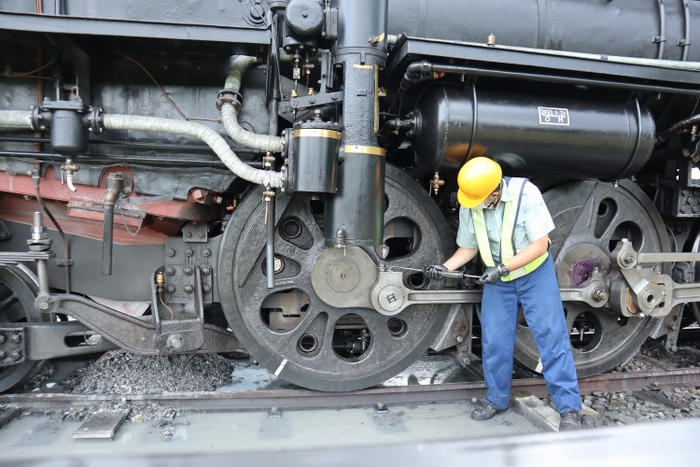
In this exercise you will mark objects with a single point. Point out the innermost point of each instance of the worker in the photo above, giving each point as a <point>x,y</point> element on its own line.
<point>507,222</point>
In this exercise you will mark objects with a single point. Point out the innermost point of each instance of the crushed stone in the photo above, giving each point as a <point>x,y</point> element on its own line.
<point>121,372</point>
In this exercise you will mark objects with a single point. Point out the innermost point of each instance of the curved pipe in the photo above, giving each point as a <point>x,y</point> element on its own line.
<point>229,115</point>
<point>206,134</point>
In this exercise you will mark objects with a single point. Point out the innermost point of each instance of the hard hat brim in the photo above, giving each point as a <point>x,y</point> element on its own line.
<point>468,202</point>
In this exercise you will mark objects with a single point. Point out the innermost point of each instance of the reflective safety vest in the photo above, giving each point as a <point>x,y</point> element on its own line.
<point>515,187</point>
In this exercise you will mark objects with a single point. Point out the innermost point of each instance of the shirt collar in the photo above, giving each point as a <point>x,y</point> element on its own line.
<point>505,193</point>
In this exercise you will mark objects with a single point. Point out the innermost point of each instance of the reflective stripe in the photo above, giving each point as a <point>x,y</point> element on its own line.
<point>507,253</point>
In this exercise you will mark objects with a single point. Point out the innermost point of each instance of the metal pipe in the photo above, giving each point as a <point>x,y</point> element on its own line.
<point>229,114</point>
<point>15,119</point>
<point>46,156</point>
<point>115,184</point>
<point>270,259</point>
<point>206,134</point>
<point>38,236</point>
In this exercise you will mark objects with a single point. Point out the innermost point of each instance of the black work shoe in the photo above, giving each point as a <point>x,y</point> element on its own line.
<point>569,421</point>
<point>485,412</point>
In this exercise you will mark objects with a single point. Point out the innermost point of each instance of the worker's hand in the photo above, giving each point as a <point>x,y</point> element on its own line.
<point>491,276</point>
<point>434,271</point>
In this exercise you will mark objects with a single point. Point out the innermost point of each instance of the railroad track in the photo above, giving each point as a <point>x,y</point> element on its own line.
<point>42,423</point>
<point>301,399</point>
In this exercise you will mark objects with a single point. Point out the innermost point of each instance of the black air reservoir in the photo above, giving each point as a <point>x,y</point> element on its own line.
<point>530,134</point>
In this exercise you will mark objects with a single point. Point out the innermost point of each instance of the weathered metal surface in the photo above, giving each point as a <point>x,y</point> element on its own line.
<point>308,354</point>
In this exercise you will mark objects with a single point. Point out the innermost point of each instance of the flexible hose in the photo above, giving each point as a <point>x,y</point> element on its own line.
<point>15,119</point>
<point>229,115</point>
<point>206,134</point>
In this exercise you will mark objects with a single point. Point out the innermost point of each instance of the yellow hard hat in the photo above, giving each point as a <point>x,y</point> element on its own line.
<point>477,179</point>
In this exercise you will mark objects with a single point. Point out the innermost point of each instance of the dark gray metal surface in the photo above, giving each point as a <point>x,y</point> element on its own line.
<point>515,64</point>
<point>620,27</point>
<point>141,28</point>
<point>86,274</point>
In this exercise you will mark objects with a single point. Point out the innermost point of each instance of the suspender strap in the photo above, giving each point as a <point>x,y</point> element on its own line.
<point>517,211</point>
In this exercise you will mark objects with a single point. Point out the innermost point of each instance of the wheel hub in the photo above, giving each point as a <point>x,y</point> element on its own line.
<point>342,277</point>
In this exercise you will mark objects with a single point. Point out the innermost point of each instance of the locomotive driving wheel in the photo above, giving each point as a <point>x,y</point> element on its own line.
<point>290,330</point>
<point>18,288</point>
<point>591,218</point>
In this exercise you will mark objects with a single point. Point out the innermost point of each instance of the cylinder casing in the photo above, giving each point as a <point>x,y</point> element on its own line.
<point>314,161</point>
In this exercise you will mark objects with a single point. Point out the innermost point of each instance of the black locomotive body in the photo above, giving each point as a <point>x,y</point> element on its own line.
<point>271,176</point>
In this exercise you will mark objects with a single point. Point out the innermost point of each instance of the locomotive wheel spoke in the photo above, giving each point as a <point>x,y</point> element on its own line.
<point>18,290</point>
<point>290,330</point>
<point>599,216</point>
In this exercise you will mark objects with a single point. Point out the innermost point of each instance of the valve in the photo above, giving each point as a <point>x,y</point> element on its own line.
<point>68,169</point>
<point>436,182</point>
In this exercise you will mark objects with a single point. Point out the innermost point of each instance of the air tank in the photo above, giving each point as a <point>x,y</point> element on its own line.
<point>579,137</point>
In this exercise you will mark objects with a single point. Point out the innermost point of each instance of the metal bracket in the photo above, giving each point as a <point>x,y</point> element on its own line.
<point>390,296</point>
<point>184,331</point>
<point>305,102</point>
<point>647,293</point>
<point>132,334</point>
<point>195,232</point>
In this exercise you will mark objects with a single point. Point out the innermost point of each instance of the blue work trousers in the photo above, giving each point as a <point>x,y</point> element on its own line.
<point>538,295</point>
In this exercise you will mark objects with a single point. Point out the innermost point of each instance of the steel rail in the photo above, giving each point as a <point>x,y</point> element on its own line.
<point>303,399</point>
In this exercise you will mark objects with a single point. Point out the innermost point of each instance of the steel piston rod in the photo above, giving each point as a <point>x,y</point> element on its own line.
<point>446,274</point>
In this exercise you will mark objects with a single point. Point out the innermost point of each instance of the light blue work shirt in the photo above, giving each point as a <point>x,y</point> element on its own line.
<point>533,222</point>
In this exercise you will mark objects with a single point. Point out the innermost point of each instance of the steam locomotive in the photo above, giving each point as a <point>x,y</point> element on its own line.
<point>271,176</point>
